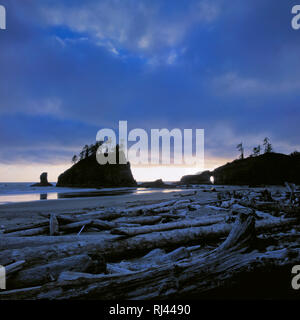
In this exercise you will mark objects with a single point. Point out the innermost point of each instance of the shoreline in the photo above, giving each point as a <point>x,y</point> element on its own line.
<point>23,212</point>
<point>32,211</point>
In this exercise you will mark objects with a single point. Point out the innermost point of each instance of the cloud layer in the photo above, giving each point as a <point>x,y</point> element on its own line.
<point>70,68</point>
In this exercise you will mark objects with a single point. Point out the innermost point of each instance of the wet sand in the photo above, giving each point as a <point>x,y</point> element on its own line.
<point>26,212</point>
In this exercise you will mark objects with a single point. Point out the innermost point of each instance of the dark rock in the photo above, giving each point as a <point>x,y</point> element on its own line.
<point>155,184</point>
<point>201,178</point>
<point>88,173</point>
<point>44,181</point>
<point>267,169</point>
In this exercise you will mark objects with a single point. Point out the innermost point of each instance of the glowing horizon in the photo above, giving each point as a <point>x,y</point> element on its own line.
<point>30,172</point>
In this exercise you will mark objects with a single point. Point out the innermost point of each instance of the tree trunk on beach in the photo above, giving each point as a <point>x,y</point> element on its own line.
<point>29,232</point>
<point>167,226</point>
<point>49,272</point>
<point>234,257</point>
<point>53,225</point>
<point>26,227</point>
<point>122,248</point>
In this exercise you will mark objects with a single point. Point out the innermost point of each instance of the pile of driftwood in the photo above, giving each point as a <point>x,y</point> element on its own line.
<point>164,250</point>
<point>278,203</point>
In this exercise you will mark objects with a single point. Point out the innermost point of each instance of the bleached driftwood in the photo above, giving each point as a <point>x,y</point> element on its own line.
<point>137,245</point>
<point>49,272</point>
<point>76,226</point>
<point>146,220</point>
<point>167,226</point>
<point>291,189</point>
<point>272,207</point>
<point>94,223</point>
<point>14,267</point>
<point>178,279</point>
<point>130,212</point>
<point>181,204</point>
<point>154,258</point>
<point>10,243</point>
<point>29,232</point>
<point>99,215</point>
<point>119,249</point>
<point>26,227</point>
<point>152,206</point>
<point>143,220</point>
<point>53,225</point>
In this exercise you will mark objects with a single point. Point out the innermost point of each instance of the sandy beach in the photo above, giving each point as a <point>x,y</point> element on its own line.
<point>27,212</point>
<point>19,213</point>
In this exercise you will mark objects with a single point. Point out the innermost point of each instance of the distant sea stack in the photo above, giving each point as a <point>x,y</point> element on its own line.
<point>88,173</point>
<point>43,181</point>
<point>201,178</point>
<point>156,184</point>
<point>267,169</point>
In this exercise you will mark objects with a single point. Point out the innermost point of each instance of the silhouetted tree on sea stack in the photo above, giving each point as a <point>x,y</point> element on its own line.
<point>241,150</point>
<point>268,145</point>
<point>74,159</point>
<point>256,151</point>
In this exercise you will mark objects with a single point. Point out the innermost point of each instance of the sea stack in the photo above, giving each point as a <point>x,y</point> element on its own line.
<point>43,181</point>
<point>201,178</point>
<point>156,184</point>
<point>88,173</point>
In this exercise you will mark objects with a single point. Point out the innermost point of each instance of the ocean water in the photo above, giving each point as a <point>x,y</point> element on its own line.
<point>12,192</point>
<point>13,188</point>
<point>22,191</point>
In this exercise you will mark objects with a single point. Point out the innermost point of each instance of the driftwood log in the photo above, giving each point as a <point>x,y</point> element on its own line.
<point>49,272</point>
<point>29,232</point>
<point>167,226</point>
<point>143,220</point>
<point>119,249</point>
<point>10,243</point>
<point>272,207</point>
<point>26,227</point>
<point>234,257</point>
<point>122,248</point>
<point>14,267</point>
<point>53,225</point>
<point>115,214</point>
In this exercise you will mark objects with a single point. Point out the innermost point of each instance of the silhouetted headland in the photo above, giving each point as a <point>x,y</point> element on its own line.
<point>88,173</point>
<point>266,169</point>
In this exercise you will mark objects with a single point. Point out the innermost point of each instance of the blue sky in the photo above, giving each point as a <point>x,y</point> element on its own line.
<point>70,68</point>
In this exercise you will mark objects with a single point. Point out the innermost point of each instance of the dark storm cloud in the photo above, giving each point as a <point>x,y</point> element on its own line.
<point>69,68</point>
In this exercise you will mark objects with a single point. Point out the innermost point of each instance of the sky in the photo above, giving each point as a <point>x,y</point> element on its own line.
<point>69,68</point>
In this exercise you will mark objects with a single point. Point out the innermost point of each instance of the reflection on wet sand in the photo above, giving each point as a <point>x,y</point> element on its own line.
<point>82,194</point>
<point>89,194</point>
